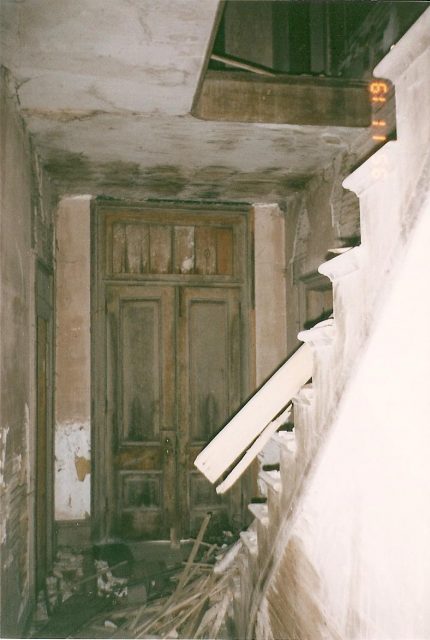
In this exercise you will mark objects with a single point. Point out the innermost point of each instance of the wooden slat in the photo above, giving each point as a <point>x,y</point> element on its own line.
<point>118,248</point>
<point>250,421</point>
<point>252,452</point>
<point>160,251</point>
<point>188,567</point>
<point>224,246</point>
<point>184,258</point>
<point>206,250</point>
<point>137,240</point>
<point>133,248</point>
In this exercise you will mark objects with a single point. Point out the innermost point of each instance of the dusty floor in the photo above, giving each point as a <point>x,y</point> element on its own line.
<point>147,567</point>
<point>139,590</point>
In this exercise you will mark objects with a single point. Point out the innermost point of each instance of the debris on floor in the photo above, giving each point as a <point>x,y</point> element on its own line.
<point>67,571</point>
<point>109,585</point>
<point>197,606</point>
<point>124,592</point>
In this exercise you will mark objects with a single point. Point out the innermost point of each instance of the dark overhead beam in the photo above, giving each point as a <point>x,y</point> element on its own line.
<point>233,96</point>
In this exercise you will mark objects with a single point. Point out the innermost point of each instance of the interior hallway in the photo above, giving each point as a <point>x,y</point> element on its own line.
<point>171,182</point>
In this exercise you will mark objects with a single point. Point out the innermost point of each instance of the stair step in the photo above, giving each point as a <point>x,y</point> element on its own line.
<point>249,539</point>
<point>369,171</point>
<point>305,396</point>
<point>342,265</point>
<point>271,478</point>
<point>270,454</point>
<point>285,438</point>
<point>271,467</point>
<point>288,426</point>
<point>321,335</point>
<point>260,512</point>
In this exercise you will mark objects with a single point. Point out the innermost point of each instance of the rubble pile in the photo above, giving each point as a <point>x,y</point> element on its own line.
<point>111,594</point>
<point>109,585</point>
<point>197,605</point>
<point>68,570</point>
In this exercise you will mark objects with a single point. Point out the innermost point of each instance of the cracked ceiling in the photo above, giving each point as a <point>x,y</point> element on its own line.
<point>106,88</point>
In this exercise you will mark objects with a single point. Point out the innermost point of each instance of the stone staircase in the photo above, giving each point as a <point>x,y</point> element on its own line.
<point>392,186</point>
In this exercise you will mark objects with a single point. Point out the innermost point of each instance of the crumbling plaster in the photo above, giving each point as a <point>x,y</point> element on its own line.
<point>323,215</point>
<point>25,237</point>
<point>107,87</point>
<point>157,156</point>
<point>73,360</point>
<point>351,557</point>
<point>356,552</point>
<point>270,302</point>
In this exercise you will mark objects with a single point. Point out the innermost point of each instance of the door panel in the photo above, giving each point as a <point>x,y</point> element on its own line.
<point>208,361</point>
<point>209,382</point>
<point>140,370</point>
<point>141,406</point>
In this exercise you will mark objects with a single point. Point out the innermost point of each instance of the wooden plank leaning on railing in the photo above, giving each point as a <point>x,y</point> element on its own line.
<point>255,418</point>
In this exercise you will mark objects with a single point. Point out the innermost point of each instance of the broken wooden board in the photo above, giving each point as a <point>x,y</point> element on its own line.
<point>248,423</point>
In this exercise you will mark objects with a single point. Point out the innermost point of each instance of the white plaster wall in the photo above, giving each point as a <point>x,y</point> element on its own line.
<point>25,236</point>
<point>270,303</point>
<point>365,520</point>
<point>73,364</point>
<point>352,556</point>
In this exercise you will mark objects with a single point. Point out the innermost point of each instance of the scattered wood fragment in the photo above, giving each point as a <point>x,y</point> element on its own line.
<point>198,605</point>
<point>188,567</point>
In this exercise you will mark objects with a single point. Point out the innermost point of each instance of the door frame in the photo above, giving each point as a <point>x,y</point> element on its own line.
<point>44,310</point>
<point>100,450</point>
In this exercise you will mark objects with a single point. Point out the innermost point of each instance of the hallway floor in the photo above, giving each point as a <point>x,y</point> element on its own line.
<point>140,590</point>
<point>146,567</point>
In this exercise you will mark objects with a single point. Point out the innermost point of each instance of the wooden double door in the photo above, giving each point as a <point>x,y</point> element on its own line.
<point>172,366</point>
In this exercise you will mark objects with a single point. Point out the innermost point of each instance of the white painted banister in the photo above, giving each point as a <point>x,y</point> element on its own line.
<point>253,451</point>
<point>257,414</point>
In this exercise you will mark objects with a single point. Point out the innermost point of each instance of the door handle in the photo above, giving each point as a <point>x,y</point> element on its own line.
<point>169,443</point>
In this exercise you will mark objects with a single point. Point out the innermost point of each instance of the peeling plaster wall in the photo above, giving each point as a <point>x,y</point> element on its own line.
<point>322,216</point>
<point>356,559</point>
<point>73,371</point>
<point>351,558</point>
<point>270,303</point>
<point>25,235</point>
<point>107,87</point>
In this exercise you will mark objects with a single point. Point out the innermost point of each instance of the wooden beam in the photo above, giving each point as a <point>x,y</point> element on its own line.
<point>241,64</point>
<point>235,96</point>
<point>248,423</point>
<point>253,452</point>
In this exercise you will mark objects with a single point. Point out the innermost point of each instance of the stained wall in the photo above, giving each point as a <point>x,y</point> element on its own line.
<point>26,236</point>
<point>73,366</point>
<point>352,558</point>
<point>321,216</point>
<point>269,264</point>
